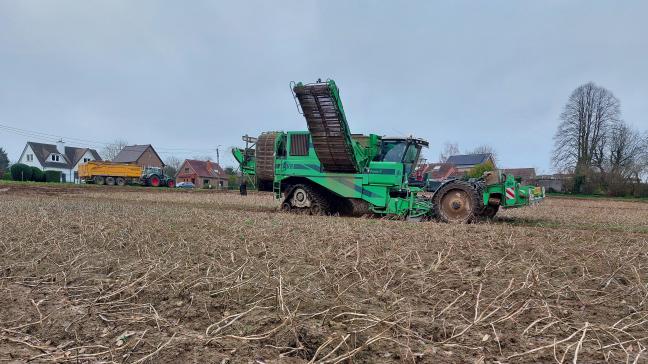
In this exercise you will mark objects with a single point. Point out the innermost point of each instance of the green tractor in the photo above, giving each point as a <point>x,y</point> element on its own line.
<point>155,177</point>
<point>327,170</point>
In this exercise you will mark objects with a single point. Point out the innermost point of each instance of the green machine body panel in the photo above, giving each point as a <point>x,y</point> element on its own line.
<point>511,193</point>
<point>381,184</point>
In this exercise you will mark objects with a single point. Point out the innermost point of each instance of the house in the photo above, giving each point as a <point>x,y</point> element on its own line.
<point>142,155</point>
<point>465,162</point>
<point>435,171</point>
<point>527,175</point>
<point>58,157</point>
<point>202,174</point>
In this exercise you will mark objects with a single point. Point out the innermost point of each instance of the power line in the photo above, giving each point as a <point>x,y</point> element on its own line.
<point>52,138</point>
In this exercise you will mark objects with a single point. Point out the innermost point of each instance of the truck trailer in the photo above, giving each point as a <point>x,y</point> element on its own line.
<point>121,174</point>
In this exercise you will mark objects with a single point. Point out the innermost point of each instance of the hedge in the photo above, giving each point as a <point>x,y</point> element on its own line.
<point>7,176</point>
<point>21,172</point>
<point>52,176</point>
<point>37,175</point>
<point>479,170</point>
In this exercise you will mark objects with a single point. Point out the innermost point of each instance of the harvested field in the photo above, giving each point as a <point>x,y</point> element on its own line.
<point>132,276</point>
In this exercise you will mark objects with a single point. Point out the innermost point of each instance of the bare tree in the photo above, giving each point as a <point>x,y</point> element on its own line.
<point>110,151</point>
<point>203,158</point>
<point>626,151</point>
<point>449,149</point>
<point>579,141</point>
<point>643,160</point>
<point>172,165</point>
<point>485,149</point>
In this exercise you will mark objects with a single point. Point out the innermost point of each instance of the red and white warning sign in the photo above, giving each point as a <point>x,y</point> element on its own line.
<point>510,193</point>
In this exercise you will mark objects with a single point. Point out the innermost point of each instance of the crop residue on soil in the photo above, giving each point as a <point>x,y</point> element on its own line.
<point>121,276</point>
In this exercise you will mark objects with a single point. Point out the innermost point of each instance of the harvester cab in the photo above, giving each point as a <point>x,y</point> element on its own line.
<point>402,150</point>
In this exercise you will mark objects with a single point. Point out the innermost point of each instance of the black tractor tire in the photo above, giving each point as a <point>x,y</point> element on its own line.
<point>110,181</point>
<point>487,211</point>
<point>170,183</point>
<point>99,180</point>
<point>458,202</point>
<point>120,181</point>
<point>320,203</point>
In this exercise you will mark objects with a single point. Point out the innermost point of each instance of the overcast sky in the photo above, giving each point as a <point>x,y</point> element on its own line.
<point>190,76</point>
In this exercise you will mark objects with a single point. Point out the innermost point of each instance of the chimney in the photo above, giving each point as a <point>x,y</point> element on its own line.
<point>60,146</point>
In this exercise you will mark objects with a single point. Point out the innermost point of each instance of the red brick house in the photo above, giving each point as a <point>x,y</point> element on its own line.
<point>202,174</point>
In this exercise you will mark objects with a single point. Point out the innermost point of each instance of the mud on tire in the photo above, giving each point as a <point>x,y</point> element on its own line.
<point>457,202</point>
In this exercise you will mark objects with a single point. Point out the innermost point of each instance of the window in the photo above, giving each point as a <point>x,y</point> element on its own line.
<point>206,182</point>
<point>187,170</point>
<point>30,157</point>
<point>299,144</point>
<point>86,160</point>
<point>55,157</point>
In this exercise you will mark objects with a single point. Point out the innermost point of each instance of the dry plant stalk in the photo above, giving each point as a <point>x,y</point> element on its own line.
<point>134,275</point>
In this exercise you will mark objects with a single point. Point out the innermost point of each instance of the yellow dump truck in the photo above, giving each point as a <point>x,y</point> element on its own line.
<point>110,173</point>
<point>120,174</point>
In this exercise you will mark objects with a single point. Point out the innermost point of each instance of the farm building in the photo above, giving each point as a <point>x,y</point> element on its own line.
<point>142,155</point>
<point>58,157</point>
<point>464,162</point>
<point>553,182</point>
<point>202,174</point>
<point>527,175</point>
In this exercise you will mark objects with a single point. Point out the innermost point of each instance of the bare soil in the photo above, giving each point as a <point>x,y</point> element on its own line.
<point>137,275</point>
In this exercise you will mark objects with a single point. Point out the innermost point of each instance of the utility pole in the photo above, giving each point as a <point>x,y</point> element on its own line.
<point>218,154</point>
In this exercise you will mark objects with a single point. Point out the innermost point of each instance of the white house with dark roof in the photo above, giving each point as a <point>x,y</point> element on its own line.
<point>58,157</point>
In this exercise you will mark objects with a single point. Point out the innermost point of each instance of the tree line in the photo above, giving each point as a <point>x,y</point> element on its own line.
<point>600,151</point>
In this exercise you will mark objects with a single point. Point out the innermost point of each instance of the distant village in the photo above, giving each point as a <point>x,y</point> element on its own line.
<point>67,159</point>
<point>459,165</point>
<point>209,174</point>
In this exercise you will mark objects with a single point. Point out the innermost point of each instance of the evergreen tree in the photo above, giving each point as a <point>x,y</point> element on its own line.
<point>4,161</point>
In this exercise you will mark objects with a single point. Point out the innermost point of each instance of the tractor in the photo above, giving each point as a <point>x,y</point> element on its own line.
<point>155,177</point>
<point>328,170</point>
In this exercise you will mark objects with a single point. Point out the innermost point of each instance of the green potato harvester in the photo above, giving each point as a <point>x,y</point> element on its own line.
<point>327,170</point>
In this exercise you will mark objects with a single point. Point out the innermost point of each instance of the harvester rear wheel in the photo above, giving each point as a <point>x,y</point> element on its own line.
<point>110,181</point>
<point>99,180</point>
<point>120,181</point>
<point>457,202</point>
